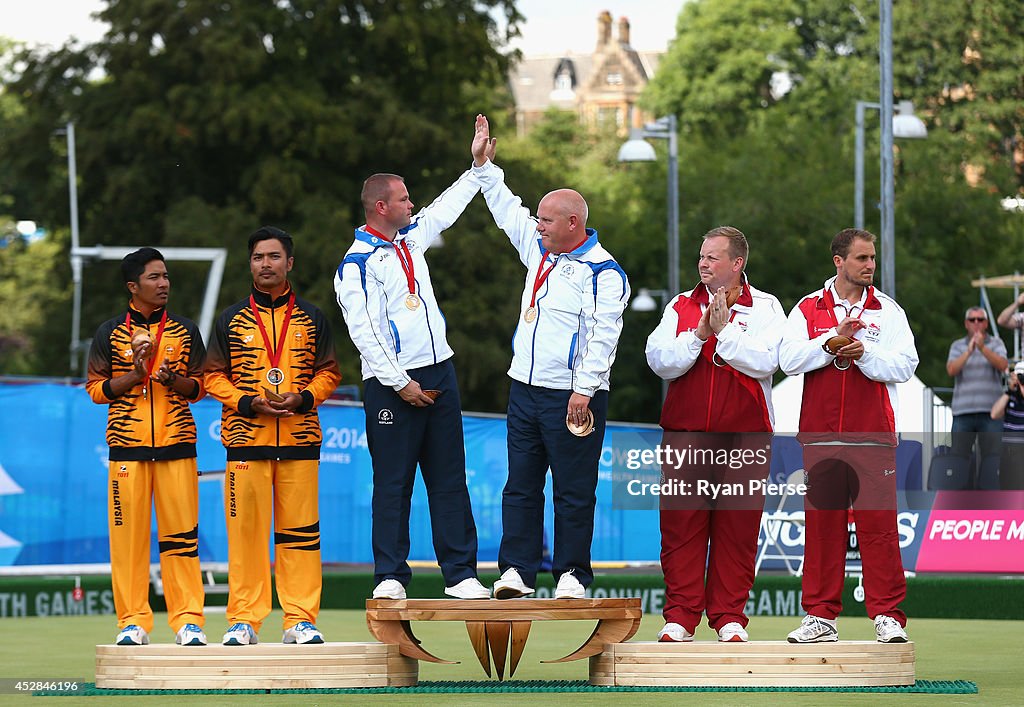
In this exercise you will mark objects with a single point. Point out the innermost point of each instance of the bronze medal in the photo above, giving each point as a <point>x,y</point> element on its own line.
<point>530,314</point>
<point>412,301</point>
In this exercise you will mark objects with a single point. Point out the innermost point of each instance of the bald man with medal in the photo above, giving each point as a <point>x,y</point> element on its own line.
<point>565,342</point>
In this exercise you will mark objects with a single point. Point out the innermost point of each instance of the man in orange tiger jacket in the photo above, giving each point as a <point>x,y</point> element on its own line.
<point>147,364</point>
<point>271,363</point>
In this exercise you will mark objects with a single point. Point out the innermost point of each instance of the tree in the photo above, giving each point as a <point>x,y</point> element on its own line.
<point>210,118</point>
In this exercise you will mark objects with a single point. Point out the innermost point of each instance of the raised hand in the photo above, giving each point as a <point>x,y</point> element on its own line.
<point>483,146</point>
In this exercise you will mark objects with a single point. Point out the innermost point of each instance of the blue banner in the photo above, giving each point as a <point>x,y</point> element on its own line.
<point>53,483</point>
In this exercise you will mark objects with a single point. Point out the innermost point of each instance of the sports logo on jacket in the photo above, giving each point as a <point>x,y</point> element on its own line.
<point>385,417</point>
<point>567,271</point>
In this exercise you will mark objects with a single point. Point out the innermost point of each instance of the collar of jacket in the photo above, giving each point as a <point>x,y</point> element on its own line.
<point>138,318</point>
<point>377,242</point>
<point>263,299</point>
<point>700,293</point>
<point>589,242</point>
<point>826,300</point>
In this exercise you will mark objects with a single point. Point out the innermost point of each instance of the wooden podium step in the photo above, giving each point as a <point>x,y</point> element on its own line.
<point>264,666</point>
<point>755,664</point>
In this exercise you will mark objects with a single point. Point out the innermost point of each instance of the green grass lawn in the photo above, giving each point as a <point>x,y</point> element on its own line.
<point>946,650</point>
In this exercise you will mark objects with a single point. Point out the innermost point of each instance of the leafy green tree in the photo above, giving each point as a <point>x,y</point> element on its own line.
<point>196,122</point>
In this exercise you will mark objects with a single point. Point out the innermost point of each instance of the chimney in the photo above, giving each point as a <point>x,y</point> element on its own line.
<point>604,28</point>
<point>624,31</point>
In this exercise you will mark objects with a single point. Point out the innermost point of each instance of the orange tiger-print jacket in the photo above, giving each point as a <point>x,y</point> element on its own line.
<point>158,425</point>
<point>237,368</point>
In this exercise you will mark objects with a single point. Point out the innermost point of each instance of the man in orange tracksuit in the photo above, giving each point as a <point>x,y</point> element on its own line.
<point>146,364</point>
<point>271,363</point>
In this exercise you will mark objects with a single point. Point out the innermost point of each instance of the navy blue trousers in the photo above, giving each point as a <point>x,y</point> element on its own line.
<point>538,439</point>
<point>399,437</point>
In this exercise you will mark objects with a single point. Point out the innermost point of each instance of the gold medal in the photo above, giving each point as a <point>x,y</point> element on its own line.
<point>530,314</point>
<point>412,301</point>
<point>275,376</point>
<point>581,430</point>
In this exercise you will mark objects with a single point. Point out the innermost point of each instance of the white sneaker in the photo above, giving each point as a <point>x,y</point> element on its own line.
<point>569,587</point>
<point>732,632</point>
<point>468,589</point>
<point>814,629</point>
<point>888,630</point>
<point>190,635</point>
<point>674,633</point>
<point>132,635</point>
<point>302,633</point>
<point>511,585</point>
<point>389,589</point>
<point>240,635</point>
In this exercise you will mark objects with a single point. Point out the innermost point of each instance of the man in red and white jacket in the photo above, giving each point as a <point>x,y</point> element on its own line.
<point>718,344</point>
<point>854,344</point>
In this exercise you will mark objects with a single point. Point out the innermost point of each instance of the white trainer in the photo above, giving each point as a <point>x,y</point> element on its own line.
<point>888,630</point>
<point>389,589</point>
<point>132,635</point>
<point>469,588</point>
<point>814,629</point>
<point>190,635</point>
<point>511,585</point>
<point>674,633</point>
<point>569,587</point>
<point>302,633</point>
<point>732,632</point>
<point>240,635</point>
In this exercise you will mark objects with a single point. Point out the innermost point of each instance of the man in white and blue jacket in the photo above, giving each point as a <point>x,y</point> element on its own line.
<point>411,397</point>
<point>569,325</point>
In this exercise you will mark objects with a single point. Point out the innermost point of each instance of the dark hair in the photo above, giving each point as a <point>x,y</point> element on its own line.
<point>266,233</point>
<point>377,187</point>
<point>134,264</point>
<point>845,238</point>
<point>738,247</point>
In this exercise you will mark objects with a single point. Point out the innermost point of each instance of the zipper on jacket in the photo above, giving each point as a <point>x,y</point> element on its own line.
<point>711,396</point>
<point>273,340</point>
<point>152,415</point>
<point>842,402</point>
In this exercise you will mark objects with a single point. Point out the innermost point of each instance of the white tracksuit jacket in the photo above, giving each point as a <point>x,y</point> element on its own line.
<point>571,344</point>
<point>371,289</point>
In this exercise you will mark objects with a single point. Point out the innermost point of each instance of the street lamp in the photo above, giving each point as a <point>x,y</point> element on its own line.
<point>637,149</point>
<point>76,260</point>
<point>644,300</point>
<point>904,125</point>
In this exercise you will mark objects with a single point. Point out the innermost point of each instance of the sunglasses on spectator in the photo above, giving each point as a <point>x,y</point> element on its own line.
<point>977,319</point>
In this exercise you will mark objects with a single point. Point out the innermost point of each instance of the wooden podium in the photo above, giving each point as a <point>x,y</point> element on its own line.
<point>499,628</point>
<point>262,666</point>
<point>755,664</point>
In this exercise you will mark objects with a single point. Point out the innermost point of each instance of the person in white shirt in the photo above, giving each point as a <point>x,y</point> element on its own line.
<point>563,348</point>
<point>854,345</point>
<point>411,397</point>
<point>718,344</point>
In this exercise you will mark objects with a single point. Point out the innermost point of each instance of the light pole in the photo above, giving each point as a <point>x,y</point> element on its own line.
<point>644,301</point>
<point>76,259</point>
<point>904,125</point>
<point>637,149</point>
